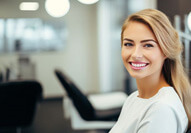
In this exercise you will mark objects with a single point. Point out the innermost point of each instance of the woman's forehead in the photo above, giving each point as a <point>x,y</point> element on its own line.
<point>138,30</point>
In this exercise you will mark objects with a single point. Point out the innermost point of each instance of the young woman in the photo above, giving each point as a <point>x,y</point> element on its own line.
<point>151,52</point>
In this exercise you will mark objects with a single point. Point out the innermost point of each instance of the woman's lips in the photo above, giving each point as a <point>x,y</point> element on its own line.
<point>138,65</point>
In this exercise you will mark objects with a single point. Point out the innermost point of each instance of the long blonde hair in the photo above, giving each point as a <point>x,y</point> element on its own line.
<point>171,46</point>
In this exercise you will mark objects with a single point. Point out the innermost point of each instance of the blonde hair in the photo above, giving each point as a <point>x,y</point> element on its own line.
<point>171,46</point>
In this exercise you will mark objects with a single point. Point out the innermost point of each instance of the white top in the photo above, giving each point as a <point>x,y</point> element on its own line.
<point>162,113</point>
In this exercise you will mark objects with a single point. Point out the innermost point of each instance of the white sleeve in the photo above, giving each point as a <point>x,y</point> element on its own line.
<point>160,118</point>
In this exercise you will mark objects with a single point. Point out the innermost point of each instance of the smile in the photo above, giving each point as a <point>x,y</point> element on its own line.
<point>138,65</point>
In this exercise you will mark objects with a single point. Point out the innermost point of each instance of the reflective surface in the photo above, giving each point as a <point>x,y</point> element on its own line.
<point>31,35</point>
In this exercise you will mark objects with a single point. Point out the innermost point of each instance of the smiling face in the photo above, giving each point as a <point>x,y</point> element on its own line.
<point>140,52</point>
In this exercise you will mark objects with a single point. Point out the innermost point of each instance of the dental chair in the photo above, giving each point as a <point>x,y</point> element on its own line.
<point>18,102</point>
<point>189,131</point>
<point>98,111</point>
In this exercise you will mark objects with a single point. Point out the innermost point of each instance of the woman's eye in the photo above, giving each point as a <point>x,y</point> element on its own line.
<point>148,45</point>
<point>128,44</point>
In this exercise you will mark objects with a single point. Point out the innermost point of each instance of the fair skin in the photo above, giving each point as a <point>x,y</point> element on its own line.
<point>143,58</point>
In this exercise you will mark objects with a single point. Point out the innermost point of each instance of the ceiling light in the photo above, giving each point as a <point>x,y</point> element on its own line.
<point>29,6</point>
<point>189,21</point>
<point>88,1</point>
<point>57,8</point>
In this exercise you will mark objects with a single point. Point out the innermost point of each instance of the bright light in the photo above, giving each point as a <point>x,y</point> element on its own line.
<point>29,6</point>
<point>189,21</point>
<point>88,1</point>
<point>57,8</point>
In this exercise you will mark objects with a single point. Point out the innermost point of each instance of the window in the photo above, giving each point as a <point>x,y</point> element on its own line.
<point>31,35</point>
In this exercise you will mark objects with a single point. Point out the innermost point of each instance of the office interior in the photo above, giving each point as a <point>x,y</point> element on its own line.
<point>84,43</point>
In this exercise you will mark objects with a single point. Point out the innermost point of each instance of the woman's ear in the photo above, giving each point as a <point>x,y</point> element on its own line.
<point>164,56</point>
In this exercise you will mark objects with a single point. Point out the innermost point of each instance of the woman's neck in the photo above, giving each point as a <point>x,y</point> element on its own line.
<point>150,86</point>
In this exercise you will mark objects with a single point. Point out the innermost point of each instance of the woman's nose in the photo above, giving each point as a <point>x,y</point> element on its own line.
<point>137,53</point>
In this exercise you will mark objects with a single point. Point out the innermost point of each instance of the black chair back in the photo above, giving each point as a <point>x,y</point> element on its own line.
<point>80,101</point>
<point>18,100</point>
<point>189,130</point>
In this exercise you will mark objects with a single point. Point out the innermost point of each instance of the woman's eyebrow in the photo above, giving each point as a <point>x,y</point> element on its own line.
<point>148,40</point>
<point>126,39</point>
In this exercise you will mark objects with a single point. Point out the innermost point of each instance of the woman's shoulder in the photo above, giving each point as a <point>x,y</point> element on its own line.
<point>133,95</point>
<point>131,98</point>
<point>168,96</point>
<point>168,99</point>
<point>162,112</point>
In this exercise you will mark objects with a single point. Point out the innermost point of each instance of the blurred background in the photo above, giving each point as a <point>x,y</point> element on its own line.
<point>82,39</point>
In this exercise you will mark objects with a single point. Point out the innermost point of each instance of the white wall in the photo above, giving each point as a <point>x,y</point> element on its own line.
<point>78,59</point>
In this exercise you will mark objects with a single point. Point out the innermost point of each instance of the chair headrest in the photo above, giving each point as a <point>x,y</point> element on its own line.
<point>18,100</point>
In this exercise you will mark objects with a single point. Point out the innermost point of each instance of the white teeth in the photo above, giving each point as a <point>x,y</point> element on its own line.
<point>138,65</point>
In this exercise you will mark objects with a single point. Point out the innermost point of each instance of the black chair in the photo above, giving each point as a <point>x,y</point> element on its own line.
<point>82,103</point>
<point>189,130</point>
<point>18,101</point>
